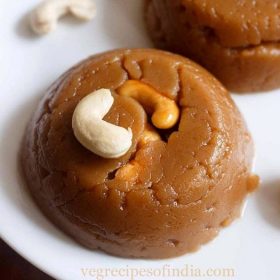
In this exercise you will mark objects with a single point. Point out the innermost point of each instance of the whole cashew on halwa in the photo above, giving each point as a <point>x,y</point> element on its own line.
<point>100,137</point>
<point>45,16</point>
<point>111,141</point>
<point>165,112</point>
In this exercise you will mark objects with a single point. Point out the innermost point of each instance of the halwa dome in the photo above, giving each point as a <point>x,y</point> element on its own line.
<point>236,40</point>
<point>190,183</point>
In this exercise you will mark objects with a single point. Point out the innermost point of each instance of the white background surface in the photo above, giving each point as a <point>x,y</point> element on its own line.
<point>28,65</point>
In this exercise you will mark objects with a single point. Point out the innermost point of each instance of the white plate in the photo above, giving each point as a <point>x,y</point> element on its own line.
<point>28,65</point>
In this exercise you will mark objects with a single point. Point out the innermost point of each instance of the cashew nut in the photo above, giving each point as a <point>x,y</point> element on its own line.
<point>130,171</point>
<point>45,16</point>
<point>165,112</point>
<point>149,135</point>
<point>100,137</point>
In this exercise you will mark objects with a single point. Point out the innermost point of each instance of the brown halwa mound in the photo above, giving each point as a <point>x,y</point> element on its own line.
<point>238,41</point>
<point>190,184</point>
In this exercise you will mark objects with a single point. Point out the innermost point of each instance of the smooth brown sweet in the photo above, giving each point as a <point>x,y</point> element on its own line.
<point>236,40</point>
<point>190,184</point>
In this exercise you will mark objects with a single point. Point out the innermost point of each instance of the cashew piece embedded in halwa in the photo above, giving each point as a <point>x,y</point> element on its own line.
<point>130,171</point>
<point>100,137</point>
<point>165,112</point>
<point>45,16</point>
<point>149,135</point>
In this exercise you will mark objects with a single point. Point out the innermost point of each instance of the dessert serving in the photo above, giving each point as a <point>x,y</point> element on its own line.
<point>140,153</point>
<point>238,41</point>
